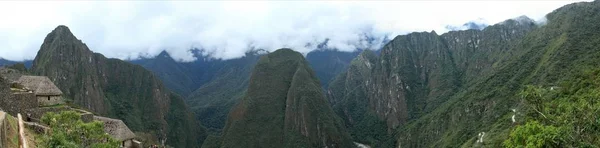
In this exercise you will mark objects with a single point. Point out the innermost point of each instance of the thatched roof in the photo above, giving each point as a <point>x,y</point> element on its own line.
<point>40,85</point>
<point>116,128</point>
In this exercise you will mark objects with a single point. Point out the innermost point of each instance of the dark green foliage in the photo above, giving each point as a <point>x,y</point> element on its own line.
<point>533,135</point>
<point>183,123</point>
<point>283,107</point>
<point>561,116</point>
<point>68,131</point>
<point>212,142</point>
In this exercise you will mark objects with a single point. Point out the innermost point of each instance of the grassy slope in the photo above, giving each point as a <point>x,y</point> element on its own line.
<point>567,44</point>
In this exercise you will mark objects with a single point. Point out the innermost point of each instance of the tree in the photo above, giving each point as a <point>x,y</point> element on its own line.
<point>69,131</point>
<point>565,117</point>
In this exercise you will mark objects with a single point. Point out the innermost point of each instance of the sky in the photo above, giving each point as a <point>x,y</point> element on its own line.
<point>228,29</point>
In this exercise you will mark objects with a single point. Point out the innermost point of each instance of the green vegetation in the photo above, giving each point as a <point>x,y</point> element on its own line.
<point>284,106</point>
<point>349,98</point>
<point>564,116</point>
<point>68,131</point>
<point>213,100</point>
<point>546,56</point>
<point>329,63</point>
<point>446,91</point>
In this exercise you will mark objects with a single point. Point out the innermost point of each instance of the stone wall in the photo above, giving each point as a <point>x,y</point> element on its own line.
<point>18,102</point>
<point>87,117</point>
<point>37,128</point>
<point>49,100</point>
<point>35,114</point>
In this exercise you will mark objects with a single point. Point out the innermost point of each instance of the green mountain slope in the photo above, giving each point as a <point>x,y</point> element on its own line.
<point>415,74</point>
<point>565,46</point>
<point>212,86</point>
<point>327,63</point>
<point>213,100</point>
<point>283,107</point>
<point>462,92</point>
<point>116,89</point>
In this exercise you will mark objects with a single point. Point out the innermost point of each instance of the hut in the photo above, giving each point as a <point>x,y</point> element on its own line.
<point>118,130</point>
<point>45,91</point>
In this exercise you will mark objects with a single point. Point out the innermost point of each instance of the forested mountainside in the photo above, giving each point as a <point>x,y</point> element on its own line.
<point>447,91</point>
<point>116,89</point>
<point>328,63</point>
<point>213,86</point>
<point>284,106</point>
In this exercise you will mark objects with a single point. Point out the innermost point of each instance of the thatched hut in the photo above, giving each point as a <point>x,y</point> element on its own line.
<point>118,130</point>
<point>46,92</point>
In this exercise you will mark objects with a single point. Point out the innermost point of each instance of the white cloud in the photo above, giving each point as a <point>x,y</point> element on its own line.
<point>226,29</point>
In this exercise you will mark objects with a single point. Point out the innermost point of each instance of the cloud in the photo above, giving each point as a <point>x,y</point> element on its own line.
<point>227,29</point>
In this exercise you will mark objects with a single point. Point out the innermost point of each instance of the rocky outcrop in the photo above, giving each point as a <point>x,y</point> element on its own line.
<point>284,106</point>
<point>117,89</point>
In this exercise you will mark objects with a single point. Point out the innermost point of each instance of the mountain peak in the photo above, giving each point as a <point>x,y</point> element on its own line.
<point>60,32</point>
<point>521,20</point>
<point>61,28</point>
<point>164,54</point>
<point>286,54</point>
<point>284,106</point>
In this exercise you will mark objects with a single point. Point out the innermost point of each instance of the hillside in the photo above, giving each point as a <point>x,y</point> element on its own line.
<point>444,90</point>
<point>415,74</point>
<point>328,63</point>
<point>212,86</point>
<point>283,107</point>
<point>118,89</point>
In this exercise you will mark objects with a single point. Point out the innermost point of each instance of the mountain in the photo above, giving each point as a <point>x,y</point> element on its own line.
<point>415,74</point>
<point>213,100</point>
<point>212,86</point>
<point>459,89</point>
<point>327,63</point>
<point>4,62</point>
<point>117,89</point>
<point>182,77</point>
<point>467,26</point>
<point>284,106</point>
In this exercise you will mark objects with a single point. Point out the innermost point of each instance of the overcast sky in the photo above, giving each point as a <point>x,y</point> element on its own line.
<point>227,29</point>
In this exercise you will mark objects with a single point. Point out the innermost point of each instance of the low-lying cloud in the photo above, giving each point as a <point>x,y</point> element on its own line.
<point>228,29</point>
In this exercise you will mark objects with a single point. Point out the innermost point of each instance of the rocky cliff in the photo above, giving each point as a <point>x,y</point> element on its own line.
<point>417,73</point>
<point>284,106</point>
<point>447,90</point>
<point>116,89</point>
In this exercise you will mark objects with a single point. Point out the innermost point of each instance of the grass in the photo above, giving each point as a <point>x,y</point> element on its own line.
<point>13,133</point>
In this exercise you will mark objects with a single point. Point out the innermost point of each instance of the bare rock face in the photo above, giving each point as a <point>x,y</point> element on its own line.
<point>117,89</point>
<point>284,107</point>
<point>73,67</point>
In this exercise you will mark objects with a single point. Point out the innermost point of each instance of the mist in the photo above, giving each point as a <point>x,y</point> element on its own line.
<point>228,29</point>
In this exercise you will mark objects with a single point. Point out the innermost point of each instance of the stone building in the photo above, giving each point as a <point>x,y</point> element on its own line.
<point>118,130</point>
<point>45,91</point>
